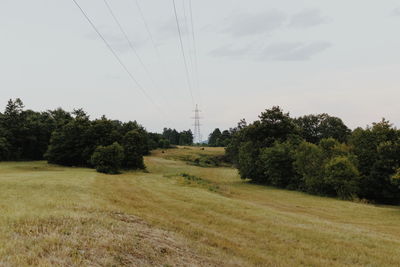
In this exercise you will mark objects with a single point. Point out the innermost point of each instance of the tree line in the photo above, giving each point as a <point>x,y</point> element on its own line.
<point>218,138</point>
<point>183,138</point>
<point>73,139</point>
<point>320,155</point>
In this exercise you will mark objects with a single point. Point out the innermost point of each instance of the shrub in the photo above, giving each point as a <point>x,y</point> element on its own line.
<point>108,159</point>
<point>277,165</point>
<point>133,143</point>
<point>342,176</point>
<point>247,162</point>
<point>309,165</point>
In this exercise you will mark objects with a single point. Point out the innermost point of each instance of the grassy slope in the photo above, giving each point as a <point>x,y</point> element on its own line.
<point>72,216</point>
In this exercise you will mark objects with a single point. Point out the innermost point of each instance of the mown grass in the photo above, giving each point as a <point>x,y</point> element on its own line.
<point>70,216</point>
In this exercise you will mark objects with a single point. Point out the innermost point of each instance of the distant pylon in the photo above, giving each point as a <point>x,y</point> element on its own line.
<point>197,138</point>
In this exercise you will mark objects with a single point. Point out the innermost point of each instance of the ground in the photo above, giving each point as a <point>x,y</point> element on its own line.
<point>180,214</point>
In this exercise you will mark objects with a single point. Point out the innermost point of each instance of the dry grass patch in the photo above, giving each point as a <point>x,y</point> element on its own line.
<point>72,216</point>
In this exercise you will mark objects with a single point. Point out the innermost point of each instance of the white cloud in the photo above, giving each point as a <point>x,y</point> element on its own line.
<point>396,12</point>
<point>308,18</point>
<point>246,24</point>
<point>293,51</point>
<point>287,51</point>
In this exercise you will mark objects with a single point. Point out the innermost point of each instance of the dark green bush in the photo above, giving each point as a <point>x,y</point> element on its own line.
<point>277,165</point>
<point>309,159</point>
<point>342,177</point>
<point>108,159</point>
<point>133,143</point>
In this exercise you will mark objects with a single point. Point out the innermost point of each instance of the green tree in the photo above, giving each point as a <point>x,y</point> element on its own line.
<point>313,128</point>
<point>108,159</point>
<point>214,138</point>
<point>4,149</point>
<point>277,165</point>
<point>133,143</point>
<point>171,135</point>
<point>275,125</point>
<point>378,154</point>
<point>342,177</point>
<point>186,138</point>
<point>309,162</point>
<point>69,144</point>
<point>12,122</point>
<point>248,162</point>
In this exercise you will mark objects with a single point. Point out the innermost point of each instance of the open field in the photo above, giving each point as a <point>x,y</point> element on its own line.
<point>178,214</point>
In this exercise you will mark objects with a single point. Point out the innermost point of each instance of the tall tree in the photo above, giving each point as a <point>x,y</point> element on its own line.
<point>214,138</point>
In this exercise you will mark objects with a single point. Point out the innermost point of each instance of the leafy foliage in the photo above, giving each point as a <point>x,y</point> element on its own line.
<point>277,165</point>
<point>218,138</point>
<point>342,177</point>
<point>133,143</point>
<point>70,139</point>
<point>318,154</point>
<point>314,128</point>
<point>108,159</point>
<point>174,137</point>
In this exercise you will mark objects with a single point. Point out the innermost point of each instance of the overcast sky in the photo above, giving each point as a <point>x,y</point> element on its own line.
<point>339,57</point>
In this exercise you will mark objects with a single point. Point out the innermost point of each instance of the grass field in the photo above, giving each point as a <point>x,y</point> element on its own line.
<point>177,214</point>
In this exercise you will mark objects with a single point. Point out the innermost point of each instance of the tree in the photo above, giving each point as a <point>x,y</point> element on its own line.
<point>133,143</point>
<point>60,117</point>
<point>4,149</point>
<point>275,125</point>
<point>248,140</point>
<point>134,126</point>
<point>378,153</point>
<point>108,159</point>
<point>13,126</point>
<point>248,162</point>
<point>214,137</point>
<point>342,177</point>
<point>36,134</point>
<point>171,135</point>
<point>237,137</point>
<point>277,165</point>
<point>186,138</point>
<point>379,185</point>
<point>69,144</point>
<point>308,163</point>
<point>313,128</point>
<point>225,138</point>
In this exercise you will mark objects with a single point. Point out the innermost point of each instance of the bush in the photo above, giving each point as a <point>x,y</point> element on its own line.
<point>308,164</point>
<point>248,162</point>
<point>332,148</point>
<point>133,143</point>
<point>277,165</point>
<point>164,143</point>
<point>108,159</point>
<point>343,177</point>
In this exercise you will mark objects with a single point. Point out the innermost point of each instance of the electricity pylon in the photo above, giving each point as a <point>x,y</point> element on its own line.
<point>197,138</point>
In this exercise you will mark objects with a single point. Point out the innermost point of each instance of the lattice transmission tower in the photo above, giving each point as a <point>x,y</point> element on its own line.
<point>197,138</point>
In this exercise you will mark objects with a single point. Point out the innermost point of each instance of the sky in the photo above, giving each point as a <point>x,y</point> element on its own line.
<point>306,56</point>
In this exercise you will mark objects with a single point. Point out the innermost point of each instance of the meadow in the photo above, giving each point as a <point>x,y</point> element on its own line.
<point>179,214</point>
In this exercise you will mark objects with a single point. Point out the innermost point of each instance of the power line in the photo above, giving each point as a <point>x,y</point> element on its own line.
<point>115,54</point>
<point>121,28</point>
<point>186,25</point>
<point>183,52</point>
<point>196,63</point>
<point>157,51</point>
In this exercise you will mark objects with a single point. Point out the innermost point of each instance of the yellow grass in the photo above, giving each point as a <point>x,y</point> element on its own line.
<point>52,215</point>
